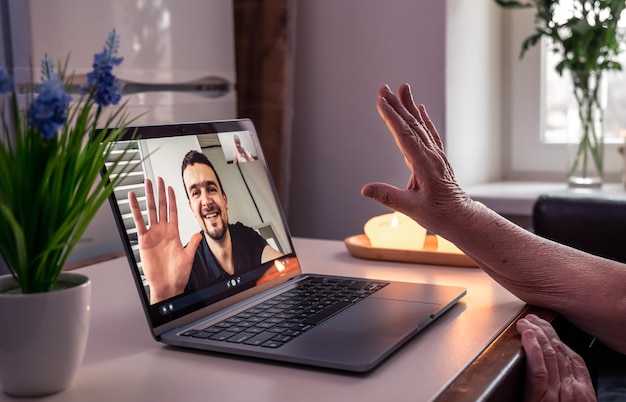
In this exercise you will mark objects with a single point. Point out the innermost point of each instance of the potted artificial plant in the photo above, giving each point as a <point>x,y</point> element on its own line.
<point>51,155</point>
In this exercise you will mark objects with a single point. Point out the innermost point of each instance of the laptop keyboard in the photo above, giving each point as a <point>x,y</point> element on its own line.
<point>276,321</point>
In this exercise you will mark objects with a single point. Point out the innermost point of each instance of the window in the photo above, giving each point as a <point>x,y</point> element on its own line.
<point>558,96</point>
<point>538,104</point>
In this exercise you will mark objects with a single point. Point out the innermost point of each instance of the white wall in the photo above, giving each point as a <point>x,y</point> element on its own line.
<point>344,50</point>
<point>473,90</point>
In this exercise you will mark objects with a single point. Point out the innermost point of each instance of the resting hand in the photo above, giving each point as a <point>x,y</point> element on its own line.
<point>166,263</point>
<point>554,372</point>
<point>432,193</point>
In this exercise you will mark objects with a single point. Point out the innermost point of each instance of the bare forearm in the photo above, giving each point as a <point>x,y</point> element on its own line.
<point>588,290</point>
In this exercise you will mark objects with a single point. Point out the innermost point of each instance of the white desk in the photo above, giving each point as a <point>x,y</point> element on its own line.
<point>124,363</point>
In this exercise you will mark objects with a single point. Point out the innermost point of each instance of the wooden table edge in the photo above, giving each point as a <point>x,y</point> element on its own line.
<point>498,371</point>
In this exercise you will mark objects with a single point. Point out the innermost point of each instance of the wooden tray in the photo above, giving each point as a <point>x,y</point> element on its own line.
<point>359,246</point>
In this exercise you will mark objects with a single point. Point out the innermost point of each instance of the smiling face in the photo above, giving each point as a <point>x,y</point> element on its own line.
<point>207,200</point>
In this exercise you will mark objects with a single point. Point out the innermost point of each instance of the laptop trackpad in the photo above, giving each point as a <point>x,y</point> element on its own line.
<point>361,335</point>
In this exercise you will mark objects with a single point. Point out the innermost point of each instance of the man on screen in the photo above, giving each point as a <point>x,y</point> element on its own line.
<point>219,251</point>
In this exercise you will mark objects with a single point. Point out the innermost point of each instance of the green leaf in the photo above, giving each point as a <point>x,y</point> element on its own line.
<point>50,190</point>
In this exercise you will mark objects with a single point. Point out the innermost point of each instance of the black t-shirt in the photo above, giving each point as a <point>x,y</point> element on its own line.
<point>248,246</point>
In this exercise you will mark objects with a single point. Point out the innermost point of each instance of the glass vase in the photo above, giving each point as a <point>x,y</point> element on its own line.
<point>585,164</point>
<point>585,131</point>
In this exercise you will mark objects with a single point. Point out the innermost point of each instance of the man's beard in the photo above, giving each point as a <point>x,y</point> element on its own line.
<point>215,228</point>
<point>215,233</point>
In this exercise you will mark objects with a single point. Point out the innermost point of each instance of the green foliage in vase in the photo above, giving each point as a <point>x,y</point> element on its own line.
<point>51,155</point>
<point>586,37</point>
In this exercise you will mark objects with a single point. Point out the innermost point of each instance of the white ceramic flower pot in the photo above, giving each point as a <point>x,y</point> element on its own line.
<point>42,336</point>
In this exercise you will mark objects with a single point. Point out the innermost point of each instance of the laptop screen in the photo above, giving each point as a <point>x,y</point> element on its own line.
<point>225,202</point>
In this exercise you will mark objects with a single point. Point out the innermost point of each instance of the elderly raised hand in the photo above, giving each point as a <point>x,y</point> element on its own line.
<point>537,270</point>
<point>573,283</point>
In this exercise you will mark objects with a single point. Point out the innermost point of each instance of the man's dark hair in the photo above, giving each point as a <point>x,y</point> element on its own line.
<point>191,158</point>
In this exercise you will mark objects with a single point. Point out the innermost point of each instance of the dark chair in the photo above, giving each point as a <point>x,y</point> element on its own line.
<point>596,225</point>
<point>592,224</point>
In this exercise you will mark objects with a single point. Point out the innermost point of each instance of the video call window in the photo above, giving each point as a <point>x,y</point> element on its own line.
<point>250,196</point>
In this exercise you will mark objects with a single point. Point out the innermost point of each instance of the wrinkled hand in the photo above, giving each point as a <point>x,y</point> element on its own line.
<point>166,263</point>
<point>554,372</point>
<point>432,192</point>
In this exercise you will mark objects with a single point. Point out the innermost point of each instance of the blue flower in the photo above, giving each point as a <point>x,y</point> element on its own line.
<point>48,112</point>
<point>6,83</point>
<point>106,89</point>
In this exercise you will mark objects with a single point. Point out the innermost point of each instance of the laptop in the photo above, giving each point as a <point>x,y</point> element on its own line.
<point>258,303</point>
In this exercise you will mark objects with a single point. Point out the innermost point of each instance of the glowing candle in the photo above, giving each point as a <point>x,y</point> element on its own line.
<point>395,231</point>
